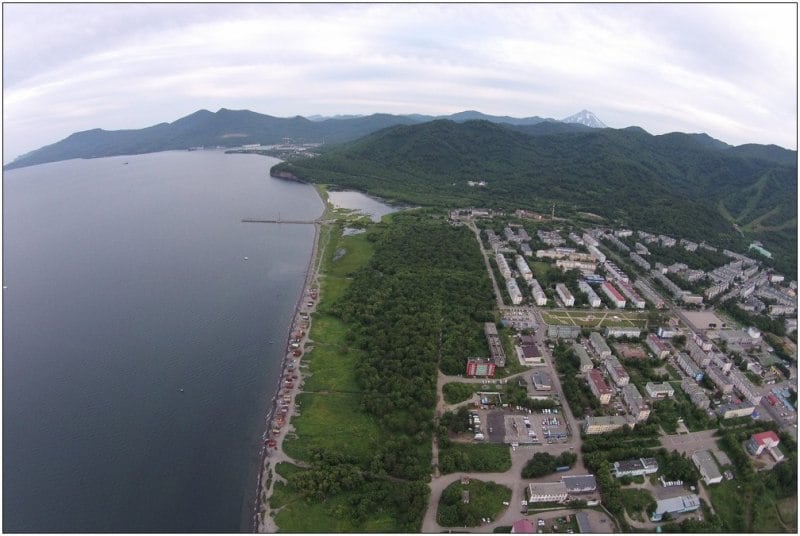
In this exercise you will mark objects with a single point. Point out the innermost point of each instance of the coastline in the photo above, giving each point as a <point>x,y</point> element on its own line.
<point>278,418</point>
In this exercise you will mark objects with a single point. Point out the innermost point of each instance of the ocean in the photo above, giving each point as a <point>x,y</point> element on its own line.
<point>143,331</point>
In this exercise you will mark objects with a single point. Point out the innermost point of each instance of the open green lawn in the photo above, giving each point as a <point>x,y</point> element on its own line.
<point>594,319</point>
<point>332,360</point>
<point>459,392</point>
<point>787,510</point>
<point>332,421</point>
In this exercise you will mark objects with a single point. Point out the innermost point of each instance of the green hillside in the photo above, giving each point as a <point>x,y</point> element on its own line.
<point>686,185</point>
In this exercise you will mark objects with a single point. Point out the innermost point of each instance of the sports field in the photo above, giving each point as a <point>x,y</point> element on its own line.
<point>588,318</point>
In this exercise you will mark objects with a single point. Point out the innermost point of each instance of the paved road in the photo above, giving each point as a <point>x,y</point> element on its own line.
<point>497,293</point>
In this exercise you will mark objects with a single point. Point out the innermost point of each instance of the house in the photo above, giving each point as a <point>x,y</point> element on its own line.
<point>640,467</point>
<point>523,526</point>
<point>707,466</point>
<point>676,506</point>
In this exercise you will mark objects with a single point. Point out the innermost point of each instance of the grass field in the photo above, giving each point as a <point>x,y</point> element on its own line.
<point>593,319</point>
<point>485,500</point>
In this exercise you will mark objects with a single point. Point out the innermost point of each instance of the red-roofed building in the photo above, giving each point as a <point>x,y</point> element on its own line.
<point>523,526</point>
<point>599,387</point>
<point>613,295</point>
<point>758,442</point>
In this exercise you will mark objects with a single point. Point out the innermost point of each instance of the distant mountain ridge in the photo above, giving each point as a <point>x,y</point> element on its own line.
<point>233,128</point>
<point>586,118</point>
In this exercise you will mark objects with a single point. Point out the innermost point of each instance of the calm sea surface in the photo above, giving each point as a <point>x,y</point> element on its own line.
<point>127,282</point>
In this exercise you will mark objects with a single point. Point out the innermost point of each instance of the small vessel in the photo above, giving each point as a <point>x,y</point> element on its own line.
<point>246,258</point>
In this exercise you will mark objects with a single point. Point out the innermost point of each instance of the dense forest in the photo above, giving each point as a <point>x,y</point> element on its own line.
<point>677,184</point>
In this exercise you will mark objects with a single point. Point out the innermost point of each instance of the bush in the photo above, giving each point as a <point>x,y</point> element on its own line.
<point>457,392</point>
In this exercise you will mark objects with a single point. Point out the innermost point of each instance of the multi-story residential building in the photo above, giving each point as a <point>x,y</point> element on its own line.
<point>631,294</point>
<point>649,294</point>
<point>523,268</point>
<point>599,387</point>
<point>599,345</point>
<point>562,331</point>
<point>689,367</point>
<point>617,371</point>
<point>495,344</point>
<point>697,354</point>
<point>566,296</point>
<point>589,240</point>
<point>745,387</point>
<point>659,391</point>
<point>639,261</point>
<point>637,407</point>
<point>617,243</point>
<point>641,249</point>
<point>575,238</point>
<point>510,236</point>
<point>551,238</point>
<point>502,265</point>
<point>538,294</point>
<point>688,245</point>
<point>601,425</point>
<point>619,331</point>
<point>623,233</point>
<point>513,292</point>
<point>741,409</point>
<point>719,379</point>
<point>596,253</point>
<point>674,289</point>
<point>526,249</point>
<point>615,272</point>
<point>696,393</point>
<point>667,241</point>
<point>613,294</point>
<point>657,346</point>
<point>583,266</point>
<point>586,361</point>
<point>594,299</point>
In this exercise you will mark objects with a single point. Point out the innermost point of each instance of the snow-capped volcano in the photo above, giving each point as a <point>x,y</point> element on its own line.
<point>585,117</point>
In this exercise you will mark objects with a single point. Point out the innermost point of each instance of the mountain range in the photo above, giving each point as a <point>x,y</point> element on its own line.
<point>685,185</point>
<point>233,128</point>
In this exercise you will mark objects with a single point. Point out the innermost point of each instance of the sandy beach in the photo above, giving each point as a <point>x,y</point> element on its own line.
<point>278,423</point>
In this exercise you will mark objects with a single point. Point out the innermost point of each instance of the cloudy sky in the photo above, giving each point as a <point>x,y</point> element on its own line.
<point>729,69</point>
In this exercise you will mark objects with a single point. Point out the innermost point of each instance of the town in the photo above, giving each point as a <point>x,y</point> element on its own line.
<point>664,344</point>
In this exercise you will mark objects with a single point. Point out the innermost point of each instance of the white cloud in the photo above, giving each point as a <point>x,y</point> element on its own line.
<point>729,70</point>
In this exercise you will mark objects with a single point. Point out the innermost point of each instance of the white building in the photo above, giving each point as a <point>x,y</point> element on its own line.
<point>659,390</point>
<point>594,299</point>
<point>745,387</point>
<point>502,264</point>
<point>523,268</point>
<point>513,291</point>
<point>596,253</point>
<point>675,506</point>
<point>565,295</point>
<point>538,294</point>
<point>707,467</point>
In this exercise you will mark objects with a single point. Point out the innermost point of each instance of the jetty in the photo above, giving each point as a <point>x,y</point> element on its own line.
<point>279,220</point>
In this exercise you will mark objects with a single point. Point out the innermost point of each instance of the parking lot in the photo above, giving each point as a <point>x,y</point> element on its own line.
<point>523,428</point>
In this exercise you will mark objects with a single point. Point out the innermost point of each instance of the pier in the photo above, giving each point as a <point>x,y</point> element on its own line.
<point>253,220</point>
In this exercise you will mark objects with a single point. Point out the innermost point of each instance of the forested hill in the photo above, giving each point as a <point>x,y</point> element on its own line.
<point>233,128</point>
<point>682,184</point>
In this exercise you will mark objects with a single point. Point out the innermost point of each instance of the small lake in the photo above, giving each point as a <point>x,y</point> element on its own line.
<point>363,203</point>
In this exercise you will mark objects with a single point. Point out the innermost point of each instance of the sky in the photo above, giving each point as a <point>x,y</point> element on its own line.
<point>729,70</point>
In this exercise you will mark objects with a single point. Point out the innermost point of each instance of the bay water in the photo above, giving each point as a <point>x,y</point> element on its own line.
<point>144,327</point>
